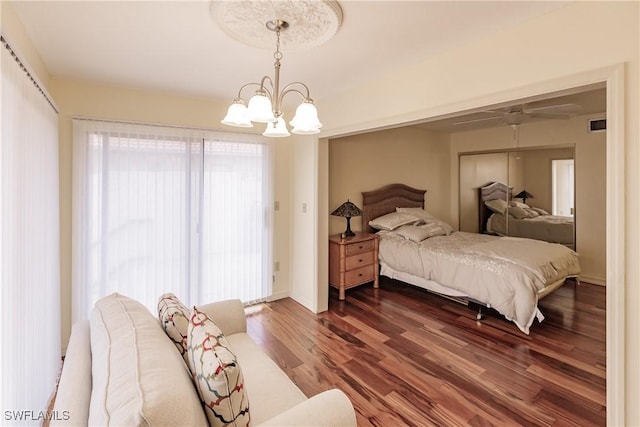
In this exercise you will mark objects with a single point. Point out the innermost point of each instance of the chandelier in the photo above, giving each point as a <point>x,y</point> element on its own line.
<point>265,106</point>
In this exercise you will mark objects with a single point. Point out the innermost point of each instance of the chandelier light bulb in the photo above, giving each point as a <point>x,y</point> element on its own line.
<point>306,120</point>
<point>260,108</point>
<point>277,129</point>
<point>237,115</point>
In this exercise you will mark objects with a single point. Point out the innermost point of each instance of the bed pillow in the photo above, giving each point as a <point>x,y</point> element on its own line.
<point>417,233</point>
<point>540,211</point>
<point>392,220</point>
<point>497,205</point>
<point>521,213</point>
<point>174,318</point>
<point>519,204</point>
<point>216,373</point>
<point>426,218</point>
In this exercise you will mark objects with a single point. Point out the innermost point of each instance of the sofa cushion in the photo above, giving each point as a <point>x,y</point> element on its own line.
<point>262,377</point>
<point>174,319</point>
<point>138,376</point>
<point>216,373</point>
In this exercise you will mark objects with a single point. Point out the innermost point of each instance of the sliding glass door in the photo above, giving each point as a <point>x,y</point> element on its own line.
<point>161,209</point>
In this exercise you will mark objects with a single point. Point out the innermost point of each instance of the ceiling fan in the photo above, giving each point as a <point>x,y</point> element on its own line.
<point>518,114</point>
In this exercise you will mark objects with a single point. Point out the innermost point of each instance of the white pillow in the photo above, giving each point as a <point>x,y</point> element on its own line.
<point>497,205</point>
<point>392,220</point>
<point>520,213</point>
<point>540,211</point>
<point>519,204</point>
<point>419,233</point>
<point>426,218</point>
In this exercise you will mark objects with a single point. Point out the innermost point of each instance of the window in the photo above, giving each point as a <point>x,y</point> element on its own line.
<point>164,209</point>
<point>562,176</point>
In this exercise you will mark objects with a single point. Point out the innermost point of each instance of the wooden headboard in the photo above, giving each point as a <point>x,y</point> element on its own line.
<point>491,191</point>
<point>386,199</point>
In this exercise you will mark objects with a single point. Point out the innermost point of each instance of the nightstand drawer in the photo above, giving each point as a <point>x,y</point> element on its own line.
<point>359,275</point>
<point>353,261</point>
<point>359,247</point>
<point>359,260</point>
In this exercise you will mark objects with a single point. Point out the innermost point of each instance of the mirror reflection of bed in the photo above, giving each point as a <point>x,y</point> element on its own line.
<point>491,183</point>
<point>500,213</point>
<point>507,275</point>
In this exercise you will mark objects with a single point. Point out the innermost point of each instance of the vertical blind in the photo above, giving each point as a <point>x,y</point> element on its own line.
<point>164,209</point>
<point>30,246</point>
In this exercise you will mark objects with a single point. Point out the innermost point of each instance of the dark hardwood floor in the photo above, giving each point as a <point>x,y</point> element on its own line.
<point>407,357</point>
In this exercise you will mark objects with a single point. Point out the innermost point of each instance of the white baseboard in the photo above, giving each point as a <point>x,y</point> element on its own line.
<point>277,296</point>
<point>593,279</point>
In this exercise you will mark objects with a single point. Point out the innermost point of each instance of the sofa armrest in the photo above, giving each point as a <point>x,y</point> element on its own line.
<point>329,408</point>
<point>228,315</point>
<point>74,388</point>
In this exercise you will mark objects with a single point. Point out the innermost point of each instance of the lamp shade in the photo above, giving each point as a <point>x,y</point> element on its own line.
<point>524,195</point>
<point>277,129</point>
<point>237,115</point>
<point>260,108</point>
<point>347,209</point>
<point>306,120</point>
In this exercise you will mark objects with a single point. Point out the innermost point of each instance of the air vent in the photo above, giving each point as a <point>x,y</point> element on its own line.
<point>597,125</point>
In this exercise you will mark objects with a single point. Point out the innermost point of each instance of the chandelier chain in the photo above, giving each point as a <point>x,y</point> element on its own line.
<point>277,54</point>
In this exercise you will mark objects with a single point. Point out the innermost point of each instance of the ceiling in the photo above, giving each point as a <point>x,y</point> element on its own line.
<point>581,101</point>
<point>177,46</point>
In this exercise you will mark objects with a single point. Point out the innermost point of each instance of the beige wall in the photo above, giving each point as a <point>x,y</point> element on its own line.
<point>368,161</point>
<point>13,31</point>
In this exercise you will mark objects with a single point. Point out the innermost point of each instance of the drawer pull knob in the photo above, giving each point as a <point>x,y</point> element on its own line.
<point>360,247</point>
<point>360,275</point>
<point>359,260</point>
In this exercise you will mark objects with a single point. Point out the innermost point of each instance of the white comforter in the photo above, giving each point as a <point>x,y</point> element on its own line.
<point>505,273</point>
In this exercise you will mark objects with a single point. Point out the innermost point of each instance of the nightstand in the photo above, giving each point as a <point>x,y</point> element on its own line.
<point>353,261</point>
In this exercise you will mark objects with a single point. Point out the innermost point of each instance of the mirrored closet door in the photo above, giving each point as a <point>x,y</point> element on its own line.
<point>525,193</point>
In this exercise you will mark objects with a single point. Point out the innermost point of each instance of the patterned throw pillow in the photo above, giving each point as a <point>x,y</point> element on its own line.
<point>174,318</point>
<point>216,373</point>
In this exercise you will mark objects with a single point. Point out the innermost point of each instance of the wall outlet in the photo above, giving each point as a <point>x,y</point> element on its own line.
<point>304,207</point>
<point>276,205</point>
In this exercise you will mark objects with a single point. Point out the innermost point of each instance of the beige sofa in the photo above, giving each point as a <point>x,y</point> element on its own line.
<point>121,369</point>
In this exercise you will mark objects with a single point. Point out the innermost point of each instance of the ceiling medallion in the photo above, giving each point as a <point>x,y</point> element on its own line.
<point>312,22</point>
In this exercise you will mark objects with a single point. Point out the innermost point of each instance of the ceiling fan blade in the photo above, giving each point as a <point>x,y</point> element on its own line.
<point>484,119</point>
<point>559,108</point>
<point>561,116</point>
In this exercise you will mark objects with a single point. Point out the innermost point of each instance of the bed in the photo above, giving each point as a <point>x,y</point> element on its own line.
<point>522,220</point>
<point>507,274</point>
